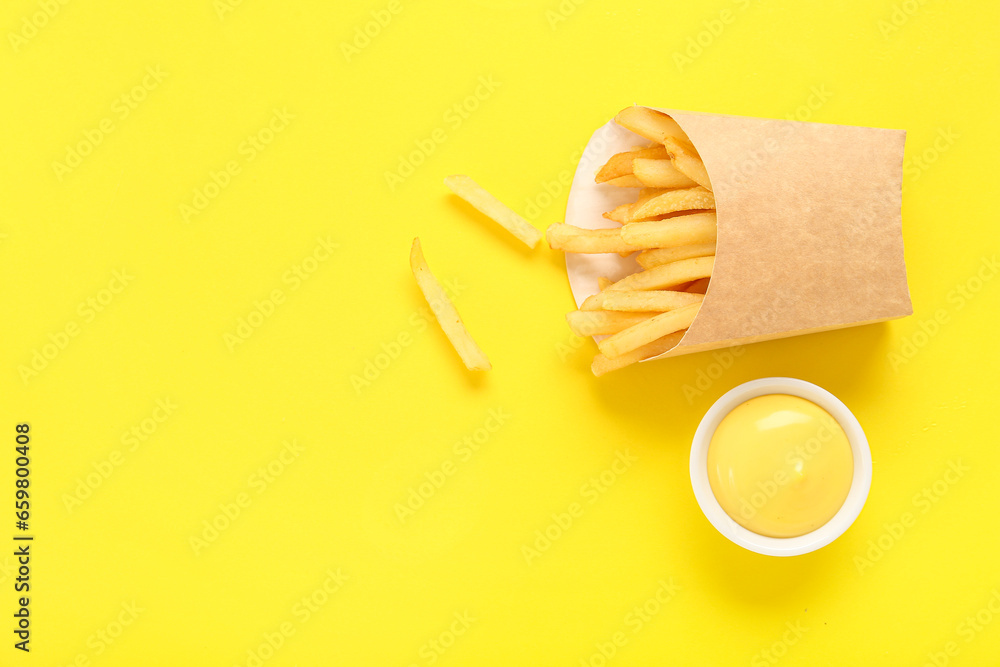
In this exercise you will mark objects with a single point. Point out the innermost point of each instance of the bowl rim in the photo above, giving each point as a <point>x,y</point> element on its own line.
<point>781,546</point>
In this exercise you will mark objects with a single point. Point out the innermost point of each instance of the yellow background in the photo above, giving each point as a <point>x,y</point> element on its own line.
<point>557,72</point>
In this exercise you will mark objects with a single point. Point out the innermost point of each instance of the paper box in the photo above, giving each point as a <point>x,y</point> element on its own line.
<point>809,226</point>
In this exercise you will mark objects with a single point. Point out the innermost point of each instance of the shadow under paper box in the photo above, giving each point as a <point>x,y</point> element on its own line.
<point>809,226</point>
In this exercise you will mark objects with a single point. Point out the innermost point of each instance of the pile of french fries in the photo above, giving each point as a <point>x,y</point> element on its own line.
<point>672,225</point>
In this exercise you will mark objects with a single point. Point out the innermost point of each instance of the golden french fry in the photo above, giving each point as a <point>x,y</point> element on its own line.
<point>626,181</point>
<point>649,258</point>
<point>647,300</point>
<point>602,283</point>
<point>594,301</point>
<point>659,174</point>
<point>620,164</point>
<point>621,213</point>
<point>575,239</point>
<point>667,275</point>
<point>568,238</point>
<point>445,312</point>
<point>652,125</point>
<point>646,332</point>
<point>692,229</point>
<point>630,300</point>
<point>601,322</point>
<point>688,162</point>
<point>603,364</point>
<point>672,201</point>
<point>493,208</point>
<point>699,286</point>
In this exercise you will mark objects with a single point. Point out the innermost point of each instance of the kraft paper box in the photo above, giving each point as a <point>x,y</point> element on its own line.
<point>809,226</point>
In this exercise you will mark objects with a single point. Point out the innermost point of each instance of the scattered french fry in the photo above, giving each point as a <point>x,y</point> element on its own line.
<point>621,164</point>
<point>667,275</point>
<point>602,322</point>
<point>659,174</point>
<point>493,208</point>
<point>646,332</point>
<point>657,301</point>
<point>445,312</point>
<point>649,258</point>
<point>693,229</point>
<point>603,364</point>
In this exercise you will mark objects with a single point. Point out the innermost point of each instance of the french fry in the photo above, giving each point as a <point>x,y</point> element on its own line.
<point>649,258</point>
<point>620,164</point>
<point>659,174</point>
<point>699,286</point>
<point>493,208</point>
<point>631,300</point>
<point>601,322</point>
<point>692,229</point>
<point>445,312</point>
<point>568,238</point>
<point>575,239</point>
<point>658,301</point>
<point>626,181</point>
<point>672,201</point>
<point>620,213</point>
<point>688,162</point>
<point>652,125</point>
<point>646,332</point>
<point>667,275</point>
<point>662,202</point>
<point>602,283</point>
<point>595,301</point>
<point>603,364</point>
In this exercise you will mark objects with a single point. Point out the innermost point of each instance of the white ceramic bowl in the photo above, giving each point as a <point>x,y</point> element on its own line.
<point>781,546</point>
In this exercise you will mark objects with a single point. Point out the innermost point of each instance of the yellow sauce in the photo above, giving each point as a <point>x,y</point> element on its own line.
<point>780,465</point>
